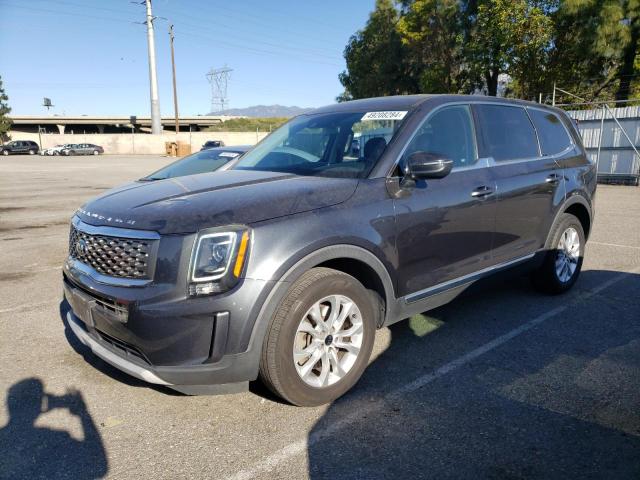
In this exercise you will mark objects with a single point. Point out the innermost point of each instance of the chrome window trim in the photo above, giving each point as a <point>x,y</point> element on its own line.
<point>490,161</point>
<point>459,281</point>
<point>114,231</point>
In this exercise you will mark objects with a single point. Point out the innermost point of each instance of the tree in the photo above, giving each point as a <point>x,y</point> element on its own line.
<point>512,37</point>
<point>376,58</point>
<point>596,47</point>
<point>433,32</point>
<point>5,121</point>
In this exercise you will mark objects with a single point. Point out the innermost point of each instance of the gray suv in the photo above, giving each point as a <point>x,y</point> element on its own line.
<point>282,265</point>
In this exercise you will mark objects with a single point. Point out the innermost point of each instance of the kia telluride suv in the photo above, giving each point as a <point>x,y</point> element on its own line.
<point>282,265</point>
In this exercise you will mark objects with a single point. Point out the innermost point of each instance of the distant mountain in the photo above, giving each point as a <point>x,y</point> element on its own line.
<point>264,111</point>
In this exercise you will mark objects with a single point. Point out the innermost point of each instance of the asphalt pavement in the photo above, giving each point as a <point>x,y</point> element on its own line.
<point>504,383</point>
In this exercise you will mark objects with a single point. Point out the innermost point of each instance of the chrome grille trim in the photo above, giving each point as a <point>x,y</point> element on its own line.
<point>113,253</point>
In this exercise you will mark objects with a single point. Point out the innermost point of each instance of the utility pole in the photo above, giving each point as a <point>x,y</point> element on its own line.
<point>175,90</point>
<point>553,98</point>
<point>156,122</point>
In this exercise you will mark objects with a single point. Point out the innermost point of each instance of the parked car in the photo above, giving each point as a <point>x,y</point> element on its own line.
<point>54,150</point>
<point>20,146</point>
<point>82,149</point>
<point>212,144</point>
<point>282,266</point>
<point>199,162</point>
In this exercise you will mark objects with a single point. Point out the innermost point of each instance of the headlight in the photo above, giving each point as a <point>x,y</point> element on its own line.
<point>217,261</point>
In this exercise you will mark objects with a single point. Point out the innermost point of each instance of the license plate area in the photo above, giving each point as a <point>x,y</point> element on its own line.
<point>81,304</point>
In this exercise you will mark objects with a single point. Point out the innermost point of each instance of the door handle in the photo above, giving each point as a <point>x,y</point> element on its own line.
<point>482,192</point>
<point>553,178</point>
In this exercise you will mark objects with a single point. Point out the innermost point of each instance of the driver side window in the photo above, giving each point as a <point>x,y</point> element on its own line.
<point>448,132</point>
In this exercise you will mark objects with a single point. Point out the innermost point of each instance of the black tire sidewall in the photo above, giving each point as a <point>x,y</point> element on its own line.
<point>548,277</point>
<point>289,383</point>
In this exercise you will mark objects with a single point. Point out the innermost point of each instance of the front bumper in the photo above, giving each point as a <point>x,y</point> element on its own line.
<point>193,345</point>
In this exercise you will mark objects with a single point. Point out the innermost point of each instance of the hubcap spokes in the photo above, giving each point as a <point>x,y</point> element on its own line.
<point>328,341</point>
<point>568,254</point>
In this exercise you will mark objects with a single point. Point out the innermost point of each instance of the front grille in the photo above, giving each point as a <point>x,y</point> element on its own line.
<point>114,256</point>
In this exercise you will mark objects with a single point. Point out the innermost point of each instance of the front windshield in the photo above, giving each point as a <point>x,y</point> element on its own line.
<point>201,162</point>
<point>345,144</point>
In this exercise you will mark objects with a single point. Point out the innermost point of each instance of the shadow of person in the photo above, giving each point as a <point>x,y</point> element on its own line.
<point>29,451</point>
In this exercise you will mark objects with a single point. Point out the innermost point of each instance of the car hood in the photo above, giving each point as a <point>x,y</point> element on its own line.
<point>188,204</point>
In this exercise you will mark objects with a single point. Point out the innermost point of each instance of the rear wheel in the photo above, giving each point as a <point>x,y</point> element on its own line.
<point>96,152</point>
<point>563,260</point>
<point>32,152</point>
<point>320,338</point>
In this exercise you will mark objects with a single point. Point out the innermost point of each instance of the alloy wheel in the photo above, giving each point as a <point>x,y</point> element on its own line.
<point>328,340</point>
<point>568,254</point>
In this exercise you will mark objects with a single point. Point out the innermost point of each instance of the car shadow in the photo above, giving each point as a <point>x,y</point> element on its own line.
<point>558,402</point>
<point>30,451</point>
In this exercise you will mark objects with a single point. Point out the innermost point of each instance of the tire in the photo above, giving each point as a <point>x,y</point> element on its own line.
<point>561,266</point>
<point>278,370</point>
<point>96,152</point>
<point>32,152</point>
<point>55,152</point>
<point>5,152</point>
<point>71,152</point>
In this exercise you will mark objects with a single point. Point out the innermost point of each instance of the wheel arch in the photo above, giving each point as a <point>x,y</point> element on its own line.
<point>353,260</point>
<point>578,206</point>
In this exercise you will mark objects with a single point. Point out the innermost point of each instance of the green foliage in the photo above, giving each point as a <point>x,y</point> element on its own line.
<point>589,47</point>
<point>376,58</point>
<point>433,30</point>
<point>512,37</point>
<point>248,124</point>
<point>5,121</point>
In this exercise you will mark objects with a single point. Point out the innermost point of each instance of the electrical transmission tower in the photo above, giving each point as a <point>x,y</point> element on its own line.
<point>219,79</point>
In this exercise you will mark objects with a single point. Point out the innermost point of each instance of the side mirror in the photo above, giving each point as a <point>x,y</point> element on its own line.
<point>427,165</point>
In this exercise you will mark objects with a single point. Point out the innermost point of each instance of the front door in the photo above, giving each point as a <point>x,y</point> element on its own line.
<point>445,226</point>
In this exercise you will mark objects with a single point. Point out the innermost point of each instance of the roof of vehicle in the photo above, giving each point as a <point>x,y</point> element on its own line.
<point>409,102</point>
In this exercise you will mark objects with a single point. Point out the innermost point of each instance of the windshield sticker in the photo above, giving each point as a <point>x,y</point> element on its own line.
<point>229,154</point>
<point>390,115</point>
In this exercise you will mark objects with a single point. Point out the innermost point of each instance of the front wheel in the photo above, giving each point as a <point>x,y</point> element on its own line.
<point>320,338</point>
<point>5,152</point>
<point>563,260</point>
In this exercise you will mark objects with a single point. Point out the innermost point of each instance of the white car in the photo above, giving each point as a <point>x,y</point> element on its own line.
<point>54,150</point>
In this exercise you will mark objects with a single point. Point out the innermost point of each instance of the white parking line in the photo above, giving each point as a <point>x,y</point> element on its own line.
<point>296,448</point>
<point>613,245</point>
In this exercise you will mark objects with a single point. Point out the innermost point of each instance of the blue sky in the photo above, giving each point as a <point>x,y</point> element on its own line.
<point>90,58</point>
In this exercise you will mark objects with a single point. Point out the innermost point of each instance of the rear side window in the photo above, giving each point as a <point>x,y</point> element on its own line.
<point>551,132</point>
<point>507,132</point>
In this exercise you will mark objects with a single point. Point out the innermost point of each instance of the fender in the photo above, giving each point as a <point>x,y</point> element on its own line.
<point>574,197</point>
<point>309,261</point>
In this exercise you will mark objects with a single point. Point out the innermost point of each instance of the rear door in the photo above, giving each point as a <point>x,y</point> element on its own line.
<point>529,184</point>
<point>445,226</point>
